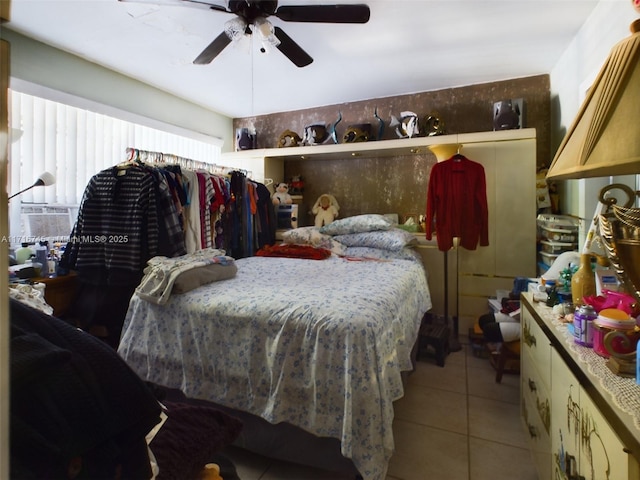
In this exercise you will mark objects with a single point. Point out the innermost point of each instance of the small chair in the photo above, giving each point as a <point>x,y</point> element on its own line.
<point>509,352</point>
<point>436,336</point>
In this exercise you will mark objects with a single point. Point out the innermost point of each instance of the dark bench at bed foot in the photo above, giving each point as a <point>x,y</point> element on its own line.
<point>437,337</point>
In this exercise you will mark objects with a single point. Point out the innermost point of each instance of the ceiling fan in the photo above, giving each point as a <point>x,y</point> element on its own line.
<point>251,17</point>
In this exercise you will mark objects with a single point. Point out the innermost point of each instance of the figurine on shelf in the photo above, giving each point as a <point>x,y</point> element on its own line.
<point>357,133</point>
<point>315,134</point>
<point>380,124</point>
<point>406,125</point>
<point>332,128</point>
<point>289,138</point>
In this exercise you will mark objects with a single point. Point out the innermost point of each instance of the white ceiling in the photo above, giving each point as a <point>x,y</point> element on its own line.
<point>407,46</point>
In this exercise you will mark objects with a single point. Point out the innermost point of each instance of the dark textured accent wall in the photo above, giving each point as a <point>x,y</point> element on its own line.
<point>398,184</point>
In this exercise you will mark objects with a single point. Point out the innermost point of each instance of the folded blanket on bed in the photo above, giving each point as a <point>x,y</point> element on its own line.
<point>294,251</point>
<point>164,276</point>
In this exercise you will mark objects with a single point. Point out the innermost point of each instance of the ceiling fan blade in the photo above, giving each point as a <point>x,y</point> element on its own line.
<point>324,13</point>
<point>291,49</point>
<point>213,49</point>
<point>181,3</point>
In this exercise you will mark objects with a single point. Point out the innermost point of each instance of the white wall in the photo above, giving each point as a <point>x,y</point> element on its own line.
<point>36,63</point>
<point>577,68</point>
<point>570,78</point>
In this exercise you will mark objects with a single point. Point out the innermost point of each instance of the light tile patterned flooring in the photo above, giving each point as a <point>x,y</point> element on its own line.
<point>454,423</point>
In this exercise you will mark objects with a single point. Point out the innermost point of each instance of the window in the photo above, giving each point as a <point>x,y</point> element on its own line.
<point>73,144</point>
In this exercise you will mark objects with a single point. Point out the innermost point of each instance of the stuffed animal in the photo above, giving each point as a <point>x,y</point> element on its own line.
<point>325,209</point>
<point>296,185</point>
<point>281,196</point>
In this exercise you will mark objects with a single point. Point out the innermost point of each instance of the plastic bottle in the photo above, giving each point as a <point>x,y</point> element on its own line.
<point>53,264</point>
<point>41,258</point>
<point>583,325</point>
<point>23,253</point>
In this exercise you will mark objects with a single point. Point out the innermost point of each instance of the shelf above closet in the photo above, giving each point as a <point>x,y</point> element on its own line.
<point>383,148</point>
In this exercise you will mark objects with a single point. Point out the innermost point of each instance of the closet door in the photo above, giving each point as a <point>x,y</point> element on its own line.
<point>510,173</point>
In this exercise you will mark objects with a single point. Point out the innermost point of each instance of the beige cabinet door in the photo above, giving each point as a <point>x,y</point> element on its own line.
<point>566,419</point>
<point>510,173</point>
<point>511,200</point>
<point>603,455</point>
<point>582,441</point>
<point>535,389</point>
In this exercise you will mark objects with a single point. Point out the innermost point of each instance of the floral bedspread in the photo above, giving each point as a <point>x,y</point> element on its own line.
<point>318,344</point>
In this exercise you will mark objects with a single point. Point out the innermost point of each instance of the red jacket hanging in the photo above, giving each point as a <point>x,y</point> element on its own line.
<point>457,199</point>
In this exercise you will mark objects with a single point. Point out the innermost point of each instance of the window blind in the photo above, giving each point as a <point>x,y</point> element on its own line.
<point>74,144</point>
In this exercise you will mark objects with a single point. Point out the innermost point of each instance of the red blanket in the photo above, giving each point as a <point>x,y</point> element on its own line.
<point>294,251</point>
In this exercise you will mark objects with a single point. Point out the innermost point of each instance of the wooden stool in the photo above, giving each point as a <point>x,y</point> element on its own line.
<point>509,352</point>
<point>436,336</point>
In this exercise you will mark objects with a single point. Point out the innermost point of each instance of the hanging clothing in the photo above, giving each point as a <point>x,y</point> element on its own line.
<point>117,228</point>
<point>266,217</point>
<point>193,239</point>
<point>127,216</point>
<point>170,233</point>
<point>206,195</point>
<point>457,204</point>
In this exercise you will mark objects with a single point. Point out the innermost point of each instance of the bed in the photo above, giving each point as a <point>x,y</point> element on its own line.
<point>318,345</point>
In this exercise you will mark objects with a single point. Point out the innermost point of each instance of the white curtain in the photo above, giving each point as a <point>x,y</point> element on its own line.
<point>74,144</point>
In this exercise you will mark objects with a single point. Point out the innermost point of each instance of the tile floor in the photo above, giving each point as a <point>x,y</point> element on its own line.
<point>454,423</point>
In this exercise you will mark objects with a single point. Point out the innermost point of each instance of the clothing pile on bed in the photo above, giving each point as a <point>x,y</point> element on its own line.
<point>164,276</point>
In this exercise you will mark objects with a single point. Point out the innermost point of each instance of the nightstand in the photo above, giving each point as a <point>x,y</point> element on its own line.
<point>59,292</point>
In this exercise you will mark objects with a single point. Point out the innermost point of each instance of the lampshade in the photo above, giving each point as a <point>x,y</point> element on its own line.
<point>603,139</point>
<point>44,180</point>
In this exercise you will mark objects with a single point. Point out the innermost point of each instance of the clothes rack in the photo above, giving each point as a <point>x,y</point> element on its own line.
<point>239,221</point>
<point>147,156</point>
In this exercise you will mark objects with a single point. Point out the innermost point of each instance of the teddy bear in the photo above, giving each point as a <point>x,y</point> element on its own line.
<point>325,209</point>
<point>281,195</point>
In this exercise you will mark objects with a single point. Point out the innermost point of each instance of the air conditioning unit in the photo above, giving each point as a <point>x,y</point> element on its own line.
<point>47,222</point>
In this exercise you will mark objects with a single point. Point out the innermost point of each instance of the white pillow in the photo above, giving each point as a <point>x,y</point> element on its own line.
<point>359,223</point>
<point>312,236</point>
<point>305,236</point>
<point>393,239</point>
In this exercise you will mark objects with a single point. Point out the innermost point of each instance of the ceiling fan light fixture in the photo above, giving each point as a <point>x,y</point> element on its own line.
<point>266,31</point>
<point>235,28</point>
